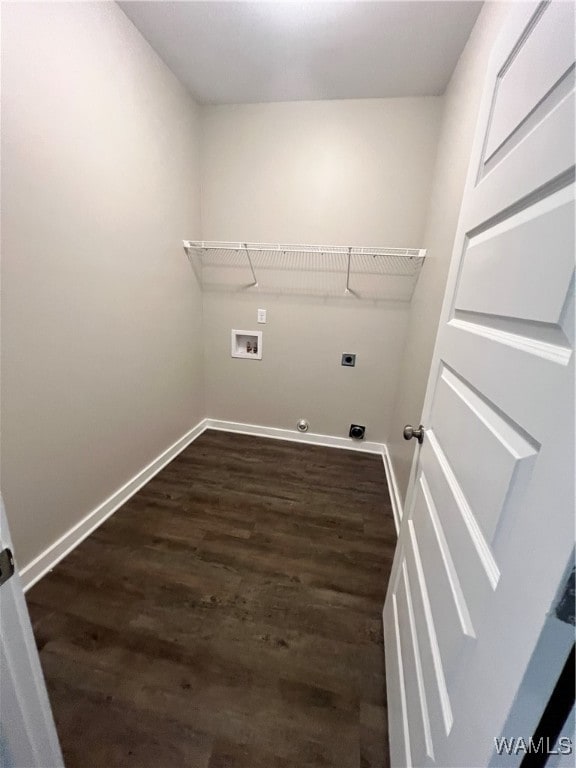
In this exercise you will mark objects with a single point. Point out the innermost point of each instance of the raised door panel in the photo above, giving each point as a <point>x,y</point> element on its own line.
<point>419,731</point>
<point>484,449</point>
<point>400,754</point>
<point>520,267</point>
<point>542,57</point>
<point>471,553</point>
<point>527,167</point>
<point>419,705</point>
<point>433,676</point>
<point>445,594</point>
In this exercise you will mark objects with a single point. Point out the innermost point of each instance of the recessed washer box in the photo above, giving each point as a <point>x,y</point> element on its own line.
<point>247,344</point>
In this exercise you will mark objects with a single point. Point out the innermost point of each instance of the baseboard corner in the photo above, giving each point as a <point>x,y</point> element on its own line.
<point>51,556</point>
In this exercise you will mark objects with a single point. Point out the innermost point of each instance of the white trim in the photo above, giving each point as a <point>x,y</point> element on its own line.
<point>52,555</point>
<point>392,487</point>
<point>347,443</point>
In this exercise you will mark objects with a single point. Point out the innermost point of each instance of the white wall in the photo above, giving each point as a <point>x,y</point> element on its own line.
<point>101,323</point>
<point>336,172</point>
<point>354,172</point>
<point>300,374</point>
<point>462,101</point>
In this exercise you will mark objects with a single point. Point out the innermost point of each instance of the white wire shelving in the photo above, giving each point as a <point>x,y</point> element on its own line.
<point>320,270</point>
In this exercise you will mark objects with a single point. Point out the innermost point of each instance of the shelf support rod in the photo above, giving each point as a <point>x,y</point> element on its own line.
<point>348,271</point>
<point>255,283</point>
<point>189,250</point>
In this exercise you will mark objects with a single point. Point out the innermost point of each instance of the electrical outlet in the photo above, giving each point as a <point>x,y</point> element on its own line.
<point>261,315</point>
<point>349,359</point>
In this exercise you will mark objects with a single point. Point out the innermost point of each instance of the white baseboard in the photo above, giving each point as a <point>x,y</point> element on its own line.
<point>34,571</point>
<point>347,443</point>
<point>392,487</point>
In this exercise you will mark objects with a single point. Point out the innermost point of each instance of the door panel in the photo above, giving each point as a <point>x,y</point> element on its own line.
<point>465,535</point>
<point>511,252</point>
<point>434,681</point>
<point>416,698</point>
<point>528,165</point>
<point>479,442</point>
<point>532,70</point>
<point>418,677</point>
<point>397,716</point>
<point>488,527</point>
<point>444,588</point>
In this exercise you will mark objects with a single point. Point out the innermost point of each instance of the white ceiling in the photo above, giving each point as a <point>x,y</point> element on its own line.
<point>238,52</point>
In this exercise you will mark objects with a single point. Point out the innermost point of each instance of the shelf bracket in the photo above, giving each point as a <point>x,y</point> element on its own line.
<point>255,283</point>
<point>188,248</point>
<point>348,290</point>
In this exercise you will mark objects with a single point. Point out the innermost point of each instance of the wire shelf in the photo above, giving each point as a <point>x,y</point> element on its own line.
<point>317,270</point>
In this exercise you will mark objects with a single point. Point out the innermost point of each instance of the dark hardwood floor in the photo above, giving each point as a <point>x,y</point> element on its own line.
<point>229,615</point>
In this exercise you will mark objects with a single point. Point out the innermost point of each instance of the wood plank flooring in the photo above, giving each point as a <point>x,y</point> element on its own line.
<point>227,616</point>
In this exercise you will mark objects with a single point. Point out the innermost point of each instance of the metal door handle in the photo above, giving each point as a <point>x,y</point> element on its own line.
<point>410,432</point>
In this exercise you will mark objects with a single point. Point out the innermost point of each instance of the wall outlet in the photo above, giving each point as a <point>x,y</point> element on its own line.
<point>349,359</point>
<point>261,315</point>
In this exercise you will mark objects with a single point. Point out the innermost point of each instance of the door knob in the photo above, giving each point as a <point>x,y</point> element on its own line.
<point>410,432</point>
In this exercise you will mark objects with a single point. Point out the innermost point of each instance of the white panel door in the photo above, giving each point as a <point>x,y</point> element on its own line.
<point>27,734</point>
<point>488,529</point>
